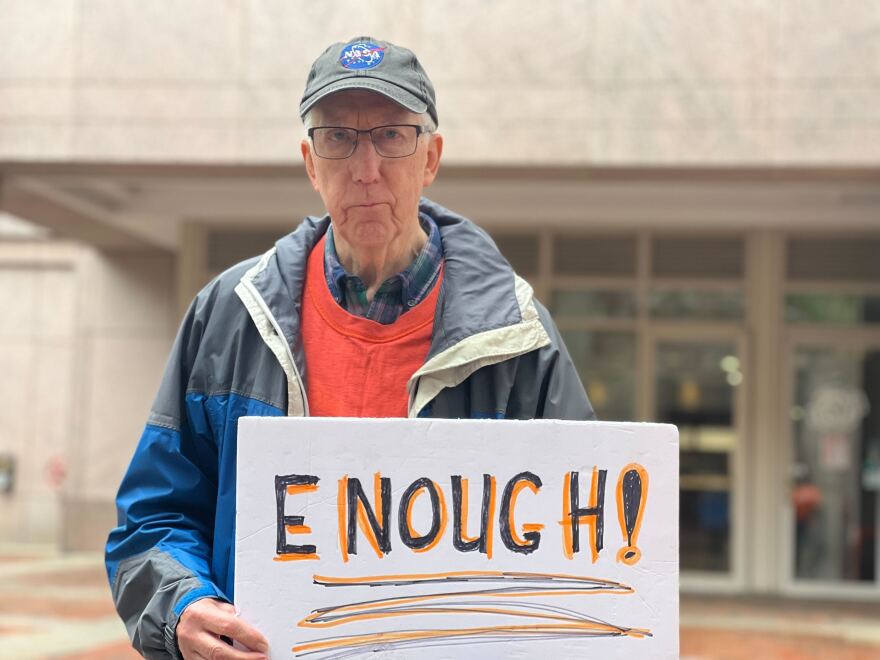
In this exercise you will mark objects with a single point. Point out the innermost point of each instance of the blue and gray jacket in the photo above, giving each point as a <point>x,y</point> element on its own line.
<point>495,353</point>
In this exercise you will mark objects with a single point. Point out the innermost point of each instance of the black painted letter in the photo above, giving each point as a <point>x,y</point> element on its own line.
<point>380,532</point>
<point>309,482</point>
<point>531,539</point>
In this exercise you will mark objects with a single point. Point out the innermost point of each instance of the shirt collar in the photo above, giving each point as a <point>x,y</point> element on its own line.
<point>414,282</point>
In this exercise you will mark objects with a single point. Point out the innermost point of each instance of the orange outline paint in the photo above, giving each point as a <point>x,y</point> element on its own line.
<point>377,498</point>
<point>567,539</point>
<point>635,553</point>
<point>299,489</point>
<point>398,577</point>
<point>489,529</point>
<point>363,523</point>
<point>366,610</point>
<point>464,513</point>
<point>593,519</point>
<point>296,557</point>
<point>414,635</point>
<point>298,529</point>
<point>590,519</point>
<point>341,516</point>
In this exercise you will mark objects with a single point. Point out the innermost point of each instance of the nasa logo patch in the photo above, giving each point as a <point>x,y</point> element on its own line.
<point>361,55</point>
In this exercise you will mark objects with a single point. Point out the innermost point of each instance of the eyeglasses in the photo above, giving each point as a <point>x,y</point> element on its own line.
<point>393,141</point>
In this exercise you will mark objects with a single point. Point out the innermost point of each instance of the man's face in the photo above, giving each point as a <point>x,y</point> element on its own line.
<point>372,200</point>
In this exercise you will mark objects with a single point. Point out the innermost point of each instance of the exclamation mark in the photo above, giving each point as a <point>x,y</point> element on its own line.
<point>632,492</point>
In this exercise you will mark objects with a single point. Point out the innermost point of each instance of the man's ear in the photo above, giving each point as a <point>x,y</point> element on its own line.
<point>432,163</point>
<point>306,148</point>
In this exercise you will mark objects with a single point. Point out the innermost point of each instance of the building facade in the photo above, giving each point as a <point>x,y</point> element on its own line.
<point>692,188</point>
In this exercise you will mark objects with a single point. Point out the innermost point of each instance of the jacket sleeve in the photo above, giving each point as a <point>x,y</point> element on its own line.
<point>158,557</point>
<point>562,394</point>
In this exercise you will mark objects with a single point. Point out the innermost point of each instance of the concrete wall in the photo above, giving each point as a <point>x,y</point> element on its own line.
<point>84,336</point>
<point>575,81</point>
<point>37,355</point>
<point>128,318</point>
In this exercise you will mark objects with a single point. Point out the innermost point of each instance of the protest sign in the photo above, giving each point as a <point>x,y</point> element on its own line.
<point>458,538</point>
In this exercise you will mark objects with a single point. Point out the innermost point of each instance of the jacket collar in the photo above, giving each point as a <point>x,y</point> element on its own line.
<point>478,290</point>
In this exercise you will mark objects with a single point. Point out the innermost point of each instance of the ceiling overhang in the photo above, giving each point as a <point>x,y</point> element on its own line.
<point>143,206</point>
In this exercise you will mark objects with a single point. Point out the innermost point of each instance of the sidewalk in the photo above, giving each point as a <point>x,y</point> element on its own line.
<point>58,607</point>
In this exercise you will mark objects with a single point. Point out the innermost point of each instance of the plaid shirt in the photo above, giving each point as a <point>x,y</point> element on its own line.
<point>397,294</point>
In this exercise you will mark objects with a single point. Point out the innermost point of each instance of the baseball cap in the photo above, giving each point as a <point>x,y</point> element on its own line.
<point>375,65</point>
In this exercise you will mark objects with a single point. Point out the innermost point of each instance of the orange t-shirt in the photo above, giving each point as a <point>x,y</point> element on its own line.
<point>356,367</point>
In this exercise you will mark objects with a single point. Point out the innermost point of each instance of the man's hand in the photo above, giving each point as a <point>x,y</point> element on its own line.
<point>203,623</point>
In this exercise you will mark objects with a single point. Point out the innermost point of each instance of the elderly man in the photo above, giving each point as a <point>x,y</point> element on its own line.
<point>389,306</point>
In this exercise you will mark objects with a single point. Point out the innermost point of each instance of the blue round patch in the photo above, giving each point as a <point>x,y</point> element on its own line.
<point>361,55</point>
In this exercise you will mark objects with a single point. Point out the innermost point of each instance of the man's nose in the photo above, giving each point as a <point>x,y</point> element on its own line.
<point>365,162</point>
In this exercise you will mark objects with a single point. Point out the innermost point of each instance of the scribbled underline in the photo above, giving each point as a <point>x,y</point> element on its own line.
<point>547,621</point>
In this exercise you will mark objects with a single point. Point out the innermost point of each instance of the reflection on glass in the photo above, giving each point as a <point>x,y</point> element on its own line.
<point>831,308</point>
<point>600,304</point>
<point>836,424</point>
<point>695,304</point>
<point>694,391</point>
<point>606,362</point>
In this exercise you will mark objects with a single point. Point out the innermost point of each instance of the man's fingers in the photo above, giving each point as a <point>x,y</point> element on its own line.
<point>225,623</point>
<point>202,625</point>
<point>209,647</point>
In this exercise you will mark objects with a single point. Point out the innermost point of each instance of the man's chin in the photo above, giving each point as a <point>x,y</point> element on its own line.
<point>371,235</point>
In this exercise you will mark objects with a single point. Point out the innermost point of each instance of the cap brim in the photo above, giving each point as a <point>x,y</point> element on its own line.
<point>390,90</point>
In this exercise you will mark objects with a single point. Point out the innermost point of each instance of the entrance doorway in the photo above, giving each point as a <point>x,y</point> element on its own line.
<point>834,463</point>
<point>698,383</point>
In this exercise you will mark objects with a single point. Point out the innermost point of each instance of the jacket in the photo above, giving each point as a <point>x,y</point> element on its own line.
<point>495,353</point>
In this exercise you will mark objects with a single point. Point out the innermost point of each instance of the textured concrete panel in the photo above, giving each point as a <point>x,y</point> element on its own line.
<point>828,107</point>
<point>18,288</point>
<point>559,143</point>
<point>683,41</point>
<point>16,361</point>
<point>36,358</point>
<point>717,146</point>
<point>827,145</point>
<point>37,41</point>
<point>46,101</point>
<point>684,106</point>
<point>284,37</point>
<point>129,295</point>
<point>123,377</point>
<point>194,41</point>
<point>271,101</point>
<point>826,42</point>
<point>56,296</point>
<point>494,106</point>
<point>159,103</point>
<point>154,141</point>
<point>736,82</point>
<point>51,420</point>
<point>273,142</point>
<point>31,139</point>
<point>523,42</point>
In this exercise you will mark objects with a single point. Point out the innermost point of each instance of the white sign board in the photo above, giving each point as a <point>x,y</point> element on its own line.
<point>458,539</point>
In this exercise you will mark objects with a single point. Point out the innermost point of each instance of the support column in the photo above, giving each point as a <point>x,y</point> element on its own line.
<point>192,264</point>
<point>766,475</point>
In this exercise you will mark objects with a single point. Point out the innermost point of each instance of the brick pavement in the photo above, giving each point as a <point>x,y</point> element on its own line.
<point>58,608</point>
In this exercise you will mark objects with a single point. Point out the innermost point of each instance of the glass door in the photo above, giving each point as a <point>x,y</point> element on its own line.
<point>834,497</point>
<point>697,387</point>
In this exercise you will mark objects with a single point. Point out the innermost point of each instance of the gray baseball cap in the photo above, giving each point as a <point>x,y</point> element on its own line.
<point>375,65</point>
